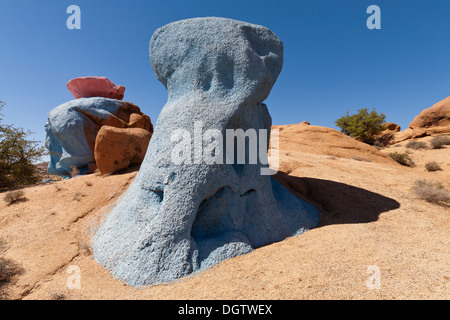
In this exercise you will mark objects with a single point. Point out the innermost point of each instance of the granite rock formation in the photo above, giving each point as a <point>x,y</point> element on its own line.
<point>73,126</point>
<point>178,217</point>
<point>117,149</point>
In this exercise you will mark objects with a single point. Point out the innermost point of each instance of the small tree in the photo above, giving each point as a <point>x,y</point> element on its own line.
<point>17,155</point>
<point>363,125</point>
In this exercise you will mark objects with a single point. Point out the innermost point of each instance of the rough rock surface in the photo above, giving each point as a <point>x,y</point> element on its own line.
<point>436,116</point>
<point>384,137</point>
<point>391,127</point>
<point>87,87</point>
<point>430,122</point>
<point>73,126</point>
<point>117,149</point>
<point>176,219</point>
<point>307,139</point>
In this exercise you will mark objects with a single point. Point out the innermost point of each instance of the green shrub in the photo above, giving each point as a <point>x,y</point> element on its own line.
<point>432,166</point>
<point>363,125</point>
<point>433,192</point>
<point>402,158</point>
<point>17,155</point>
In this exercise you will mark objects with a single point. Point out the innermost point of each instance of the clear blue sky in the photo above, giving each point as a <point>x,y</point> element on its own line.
<point>333,62</point>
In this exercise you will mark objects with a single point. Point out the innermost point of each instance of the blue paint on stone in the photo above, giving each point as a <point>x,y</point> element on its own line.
<point>178,219</point>
<point>66,130</point>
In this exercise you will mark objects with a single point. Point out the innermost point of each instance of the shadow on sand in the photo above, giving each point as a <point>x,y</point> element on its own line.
<point>338,203</point>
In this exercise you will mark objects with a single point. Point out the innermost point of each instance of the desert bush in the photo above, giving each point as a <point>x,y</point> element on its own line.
<point>57,296</point>
<point>14,196</point>
<point>363,125</point>
<point>433,192</point>
<point>402,158</point>
<point>417,145</point>
<point>8,270</point>
<point>432,166</point>
<point>17,155</point>
<point>440,141</point>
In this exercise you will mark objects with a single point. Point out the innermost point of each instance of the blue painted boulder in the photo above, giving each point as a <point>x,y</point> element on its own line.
<point>199,197</point>
<point>73,126</point>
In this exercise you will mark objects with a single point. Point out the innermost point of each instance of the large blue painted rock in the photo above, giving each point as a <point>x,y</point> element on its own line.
<point>73,126</point>
<point>197,200</point>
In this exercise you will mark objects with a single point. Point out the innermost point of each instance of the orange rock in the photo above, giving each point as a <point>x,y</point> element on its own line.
<point>391,127</point>
<point>430,122</point>
<point>436,116</point>
<point>326,141</point>
<point>119,148</point>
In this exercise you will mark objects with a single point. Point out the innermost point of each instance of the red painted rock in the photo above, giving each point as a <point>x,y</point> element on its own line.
<point>87,87</point>
<point>119,148</point>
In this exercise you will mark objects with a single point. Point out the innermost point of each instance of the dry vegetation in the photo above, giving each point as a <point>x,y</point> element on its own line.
<point>402,158</point>
<point>433,192</point>
<point>417,145</point>
<point>432,166</point>
<point>12,197</point>
<point>9,270</point>
<point>440,141</point>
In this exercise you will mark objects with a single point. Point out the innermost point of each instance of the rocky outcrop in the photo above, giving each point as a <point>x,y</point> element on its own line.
<point>326,141</point>
<point>432,121</point>
<point>390,127</point>
<point>384,137</point>
<point>73,126</point>
<point>87,87</point>
<point>435,119</point>
<point>117,149</point>
<point>186,213</point>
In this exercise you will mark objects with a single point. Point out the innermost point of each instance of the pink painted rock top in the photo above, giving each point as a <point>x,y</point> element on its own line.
<point>86,87</point>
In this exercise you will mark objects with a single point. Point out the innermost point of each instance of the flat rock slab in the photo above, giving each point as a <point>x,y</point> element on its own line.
<point>88,87</point>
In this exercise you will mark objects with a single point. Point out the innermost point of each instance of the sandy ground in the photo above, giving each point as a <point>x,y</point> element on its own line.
<point>371,224</point>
